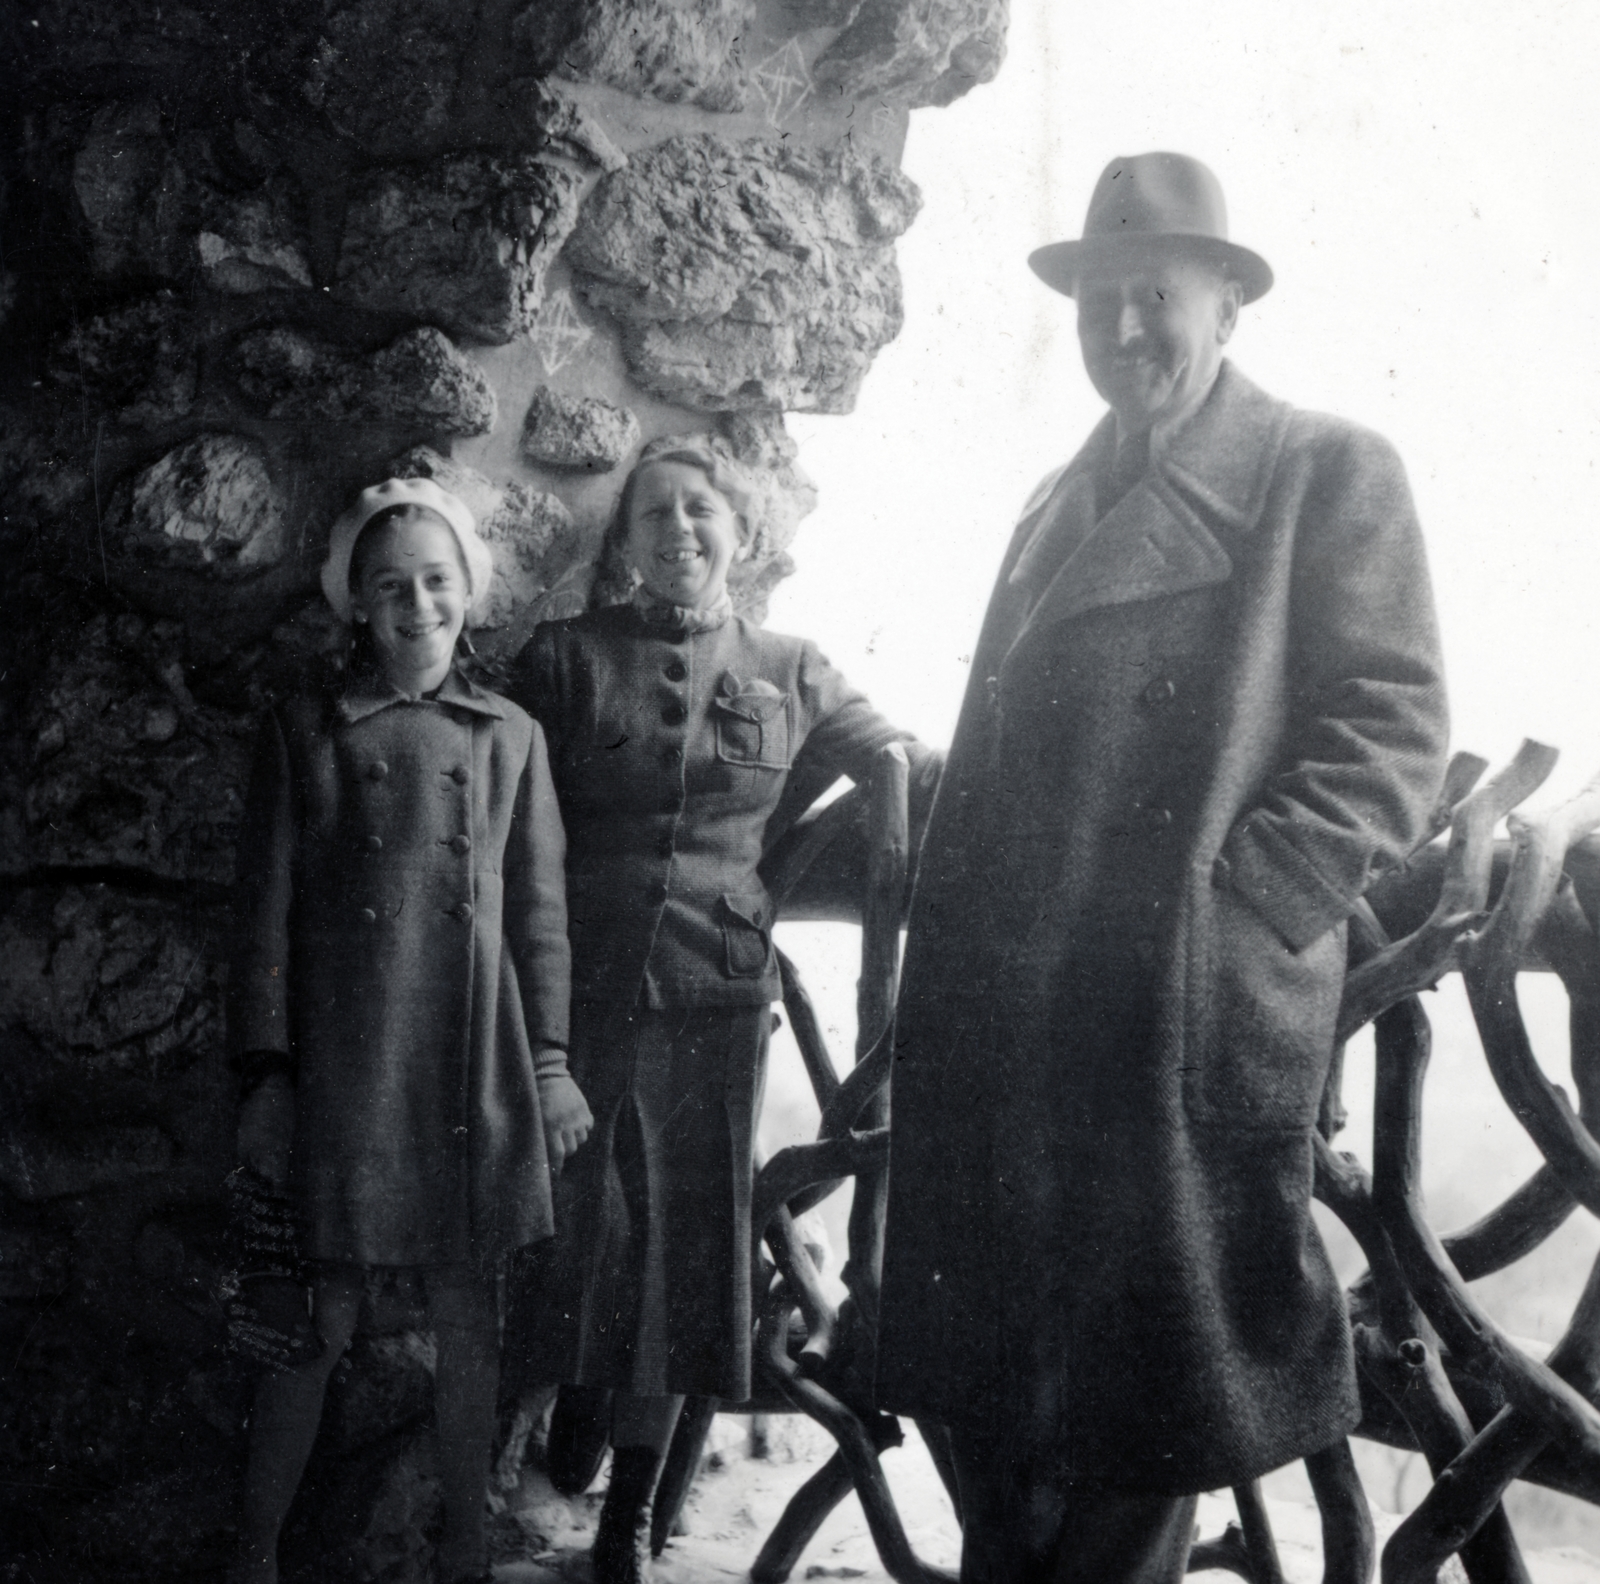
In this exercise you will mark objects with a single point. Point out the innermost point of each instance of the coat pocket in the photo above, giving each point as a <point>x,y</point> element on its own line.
<point>746,934</point>
<point>752,722</point>
<point>1259,1055</point>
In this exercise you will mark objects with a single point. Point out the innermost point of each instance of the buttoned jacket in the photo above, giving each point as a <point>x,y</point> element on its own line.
<point>1199,724</point>
<point>402,935</point>
<point>678,756</point>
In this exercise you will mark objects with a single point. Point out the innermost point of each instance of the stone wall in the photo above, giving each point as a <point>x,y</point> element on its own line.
<point>255,255</point>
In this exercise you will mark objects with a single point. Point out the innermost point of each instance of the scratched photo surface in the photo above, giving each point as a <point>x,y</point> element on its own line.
<point>1419,177</point>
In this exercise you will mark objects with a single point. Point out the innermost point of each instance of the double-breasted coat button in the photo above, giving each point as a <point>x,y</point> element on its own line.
<point>673,714</point>
<point>460,844</point>
<point>1159,818</point>
<point>373,843</point>
<point>675,671</point>
<point>1161,691</point>
<point>671,757</point>
<point>665,847</point>
<point>377,770</point>
<point>656,891</point>
<point>458,774</point>
<point>368,916</point>
<point>462,911</point>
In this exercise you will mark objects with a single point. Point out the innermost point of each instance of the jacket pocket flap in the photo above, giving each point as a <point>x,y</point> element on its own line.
<point>756,701</point>
<point>749,908</point>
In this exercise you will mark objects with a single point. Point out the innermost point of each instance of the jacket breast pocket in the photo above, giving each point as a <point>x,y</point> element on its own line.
<point>746,934</point>
<point>752,726</point>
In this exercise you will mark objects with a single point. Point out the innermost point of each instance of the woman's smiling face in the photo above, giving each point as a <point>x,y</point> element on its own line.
<point>682,534</point>
<point>412,591</point>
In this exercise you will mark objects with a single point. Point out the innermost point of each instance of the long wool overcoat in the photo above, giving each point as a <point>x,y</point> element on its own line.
<point>1198,725</point>
<point>403,937</point>
<point>677,756</point>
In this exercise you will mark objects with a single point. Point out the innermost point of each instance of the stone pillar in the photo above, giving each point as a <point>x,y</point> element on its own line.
<point>257,255</point>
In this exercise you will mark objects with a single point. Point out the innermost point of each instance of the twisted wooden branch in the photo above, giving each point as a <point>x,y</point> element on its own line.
<point>819,1066</point>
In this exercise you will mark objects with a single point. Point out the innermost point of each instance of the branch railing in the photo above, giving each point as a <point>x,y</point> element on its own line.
<point>1438,1375</point>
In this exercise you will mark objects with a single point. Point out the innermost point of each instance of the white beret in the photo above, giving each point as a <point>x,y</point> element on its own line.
<point>405,492</point>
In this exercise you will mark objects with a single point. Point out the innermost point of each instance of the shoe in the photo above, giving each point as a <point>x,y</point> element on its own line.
<point>580,1432</point>
<point>621,1552</point>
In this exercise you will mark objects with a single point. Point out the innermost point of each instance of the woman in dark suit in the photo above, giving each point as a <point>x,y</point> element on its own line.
<point>681,738</point>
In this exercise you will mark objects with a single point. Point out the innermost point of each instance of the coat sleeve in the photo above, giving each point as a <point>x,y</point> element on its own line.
<point>534,682</point>
<point>1364,748</point>
<point>536,905</point>
<point>258,984</point>
<point>843,736</point>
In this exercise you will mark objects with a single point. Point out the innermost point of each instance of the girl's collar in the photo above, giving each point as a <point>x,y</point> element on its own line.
<point>681,618</point>
<point>368,690</point>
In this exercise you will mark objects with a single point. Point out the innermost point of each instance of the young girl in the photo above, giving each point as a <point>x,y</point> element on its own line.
<point>400,996</point>
<point>681,737</point>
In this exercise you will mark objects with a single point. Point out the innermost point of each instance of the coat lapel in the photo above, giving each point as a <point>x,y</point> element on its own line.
<point>1159,539</point>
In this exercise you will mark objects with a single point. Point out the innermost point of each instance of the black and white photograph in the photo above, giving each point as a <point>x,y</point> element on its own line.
<point>799,789</point>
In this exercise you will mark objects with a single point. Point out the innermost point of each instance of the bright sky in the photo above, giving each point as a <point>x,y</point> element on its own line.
<point>1419,178</point>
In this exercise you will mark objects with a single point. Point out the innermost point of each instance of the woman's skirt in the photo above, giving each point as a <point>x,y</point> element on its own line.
<point>645,1287</point>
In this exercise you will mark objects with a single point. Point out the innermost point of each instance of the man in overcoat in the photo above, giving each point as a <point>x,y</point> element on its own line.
<point>1206,710</point>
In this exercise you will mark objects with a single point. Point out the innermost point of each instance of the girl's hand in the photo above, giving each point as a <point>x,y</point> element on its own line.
<point>567,1121</point>
<point>266,1128</point>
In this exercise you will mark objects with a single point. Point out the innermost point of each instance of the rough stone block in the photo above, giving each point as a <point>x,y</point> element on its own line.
<point>385,72</point>
<point>754,275</point>
<point>251,243</point>
<point>209,506</point>
<point>420,380</point>
<point>140,360</point>
<point>463,243</point>
<point>915,52</point>
<point>577,432</point>
<point>102,984</point>
<point>384,1384</point>
<point>125,768</point>
<point>660,49</point>
<point>139,206</point>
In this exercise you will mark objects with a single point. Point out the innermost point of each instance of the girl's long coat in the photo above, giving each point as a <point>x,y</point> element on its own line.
<point>1196,728</point>
<point>403,936</point>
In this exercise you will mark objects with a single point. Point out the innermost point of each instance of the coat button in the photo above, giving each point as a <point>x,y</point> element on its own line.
<point>1159,691</point>
<point>460,844</point>
<point>1158,818</point>
<point>373,843</point>
<point>458,774</point>
<point>665,847</point>
<point>675,671</point>
<point>368,916</point>
<point>672,757</point>
<point>377,770</point>
<point>656,892</point>
<point>673,714</point>
<point>462,911</point>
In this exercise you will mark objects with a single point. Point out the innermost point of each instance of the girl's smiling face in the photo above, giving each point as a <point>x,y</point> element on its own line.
<point>410,588</point>
<point>682,534</point>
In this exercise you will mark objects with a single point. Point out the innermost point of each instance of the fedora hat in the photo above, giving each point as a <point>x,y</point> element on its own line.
<point>1151,204</point>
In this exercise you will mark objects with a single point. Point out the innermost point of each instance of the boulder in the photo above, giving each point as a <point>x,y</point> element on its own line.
<point>577,431</point>
<point>659,49</point>
<point>139,360</point>
<point>125,768</point>
<point>133,195</point>
<point>747,275</point>
<point>463,243</point>
<point>912,53</point>
<point>384,1384</point>
<point>209,506</point>
<point>250,243</point>
<point>418,381</point>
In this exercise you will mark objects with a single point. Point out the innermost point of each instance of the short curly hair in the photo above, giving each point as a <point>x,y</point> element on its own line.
<point>714,457</point>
